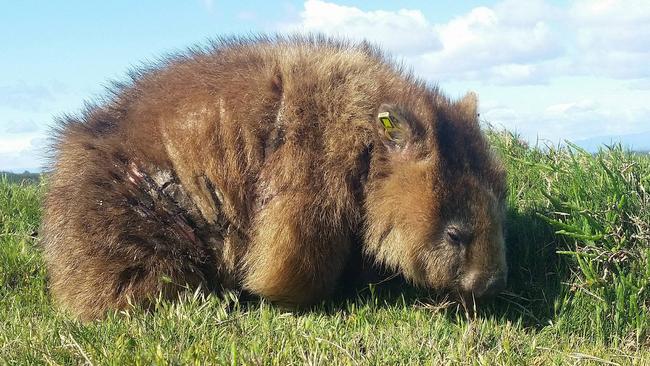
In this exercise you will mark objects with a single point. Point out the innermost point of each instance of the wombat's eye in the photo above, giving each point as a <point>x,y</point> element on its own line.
<point>454,235</point>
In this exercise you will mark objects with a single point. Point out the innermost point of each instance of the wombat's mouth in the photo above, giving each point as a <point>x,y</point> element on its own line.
<point>482,285</point>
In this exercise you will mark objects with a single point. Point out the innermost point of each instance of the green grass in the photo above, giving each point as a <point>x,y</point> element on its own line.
<point>579,290</point>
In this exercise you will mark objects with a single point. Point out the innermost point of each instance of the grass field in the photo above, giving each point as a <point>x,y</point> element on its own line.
<point>579,290</point>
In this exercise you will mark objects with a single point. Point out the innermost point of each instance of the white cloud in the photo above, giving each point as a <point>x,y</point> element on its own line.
<point>14,143</point>
<point>640,84</point>
<point>611,37</point>
<point>573,108</point>
<point>493,44</point>
<point>558,71</point>
<point>406,32</point>
<point>504,44</point>
<point>605,13</point>
<point>522,13</point>
<point>20,161</point>
<point>510,43</point>
<point>20,152</point>
<point>571,121</point>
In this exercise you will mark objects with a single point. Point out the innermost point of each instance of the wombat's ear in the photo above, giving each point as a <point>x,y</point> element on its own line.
<point>468,105</point>
<point>394,128</point>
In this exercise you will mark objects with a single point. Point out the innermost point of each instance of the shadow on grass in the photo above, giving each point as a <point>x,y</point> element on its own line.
<point>536,272</point>
<point>534,281</point>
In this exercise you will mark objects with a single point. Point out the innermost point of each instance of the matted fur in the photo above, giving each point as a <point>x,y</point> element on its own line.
<point>255,163</point>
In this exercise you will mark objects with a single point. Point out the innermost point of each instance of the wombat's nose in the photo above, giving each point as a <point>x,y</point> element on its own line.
<point>494,285</point>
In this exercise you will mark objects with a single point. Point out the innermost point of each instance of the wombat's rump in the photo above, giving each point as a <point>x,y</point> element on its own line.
<point>258,164</point>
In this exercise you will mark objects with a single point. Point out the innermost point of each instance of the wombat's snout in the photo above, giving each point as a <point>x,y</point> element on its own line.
<point>494,285</point>
<point>485,285</point>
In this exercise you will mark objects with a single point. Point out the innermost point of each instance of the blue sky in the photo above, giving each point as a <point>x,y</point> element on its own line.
<point>550,70</point>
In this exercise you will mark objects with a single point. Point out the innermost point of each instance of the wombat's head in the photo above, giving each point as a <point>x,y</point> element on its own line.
<point>435,199</point>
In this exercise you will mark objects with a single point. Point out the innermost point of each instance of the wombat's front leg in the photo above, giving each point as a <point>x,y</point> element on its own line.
<point>296,256</point>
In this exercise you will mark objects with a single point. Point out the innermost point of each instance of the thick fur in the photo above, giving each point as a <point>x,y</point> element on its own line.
<point>257,164</point>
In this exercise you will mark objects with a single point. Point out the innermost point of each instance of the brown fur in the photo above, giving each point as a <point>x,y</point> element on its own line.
<point>254,164</point>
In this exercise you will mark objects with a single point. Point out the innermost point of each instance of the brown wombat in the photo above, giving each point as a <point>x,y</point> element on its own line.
<point>254,164</point>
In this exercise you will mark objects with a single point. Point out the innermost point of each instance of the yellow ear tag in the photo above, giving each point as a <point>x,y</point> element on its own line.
<point>391,126</point>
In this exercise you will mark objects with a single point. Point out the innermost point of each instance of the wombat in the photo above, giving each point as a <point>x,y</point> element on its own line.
<point>261,164</point>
